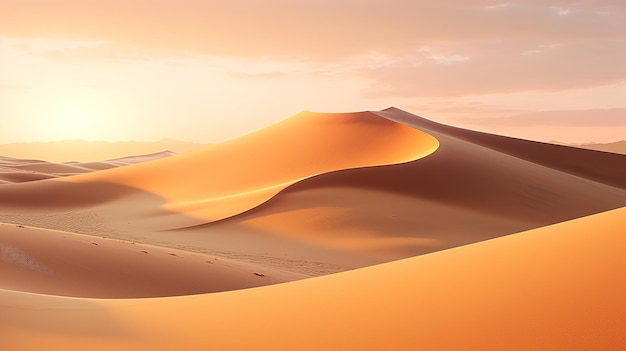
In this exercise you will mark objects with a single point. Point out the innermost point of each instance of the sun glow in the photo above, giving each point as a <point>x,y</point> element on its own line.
<point>73,120</point>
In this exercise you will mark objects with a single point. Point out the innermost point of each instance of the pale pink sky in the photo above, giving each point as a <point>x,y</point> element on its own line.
<point>207,71</point>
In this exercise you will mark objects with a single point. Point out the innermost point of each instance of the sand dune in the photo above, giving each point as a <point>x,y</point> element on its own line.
<point>598,166</point>
<point>215,182</point>
<point>13,170</point>
<point>13,176</point>
<point>300,147</point>
<point>476,186</point>
<point>551,288</point>
<point>313,195</point>
<point>321,193</point>
<point>129,160</point>
<point>87,151</point>
<point>618,147</point>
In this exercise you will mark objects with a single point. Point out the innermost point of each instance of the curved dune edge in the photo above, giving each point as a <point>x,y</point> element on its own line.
<point>557,287</point>
<point>602,167</point>
<point>67,264</point>
<point>223,180</point>
<point>398,211</point>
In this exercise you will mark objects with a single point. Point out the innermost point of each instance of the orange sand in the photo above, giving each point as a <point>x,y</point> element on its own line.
<point>555,288</point>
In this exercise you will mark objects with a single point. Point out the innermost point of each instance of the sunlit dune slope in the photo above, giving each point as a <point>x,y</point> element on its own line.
<point>226,179</point>
<point>476,186</point>
<point>61,263</point>
<point>553,288</point>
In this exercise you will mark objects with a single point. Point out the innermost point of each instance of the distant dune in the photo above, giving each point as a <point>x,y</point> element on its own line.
<point>87,151</point>
<point>318,193</point>
<point>14,170</point>
<point>618,147</point>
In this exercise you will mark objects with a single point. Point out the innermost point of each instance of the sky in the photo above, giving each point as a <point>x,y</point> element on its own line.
<point>211,70</point>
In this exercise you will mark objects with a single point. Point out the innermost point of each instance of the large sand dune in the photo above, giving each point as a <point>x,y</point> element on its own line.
<point>173,251</point>
<point>320,193</point>
<point>476,186</point>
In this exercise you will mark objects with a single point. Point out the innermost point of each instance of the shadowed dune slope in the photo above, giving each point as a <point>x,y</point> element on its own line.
<point>474,187</point>
<point>557,287</point>
<point>61,263</point>
<point>607,168</point>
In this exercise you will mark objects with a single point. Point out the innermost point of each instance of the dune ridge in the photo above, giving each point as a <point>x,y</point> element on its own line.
<point>602,167</point>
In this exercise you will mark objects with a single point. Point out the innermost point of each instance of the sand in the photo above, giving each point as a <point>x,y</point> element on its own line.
<point>618,147</point>
<point>552,288</point>
<point>87,151</point>
<point>14,170</point>
<point>440,238</point>
<point>61,263</point>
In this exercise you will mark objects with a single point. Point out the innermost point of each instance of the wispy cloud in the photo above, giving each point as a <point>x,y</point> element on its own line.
<point>503,68</point>
<point>614,117</point>
<point>307,29</point>
<point>256,75</point>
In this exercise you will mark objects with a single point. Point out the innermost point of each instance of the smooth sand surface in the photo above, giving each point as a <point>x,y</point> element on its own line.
<point>68,264</point>
<point>554,288</point>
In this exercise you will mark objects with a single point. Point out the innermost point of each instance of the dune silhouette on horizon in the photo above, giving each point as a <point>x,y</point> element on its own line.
<point>441,238</point>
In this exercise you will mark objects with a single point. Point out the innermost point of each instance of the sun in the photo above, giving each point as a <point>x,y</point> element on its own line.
<point>73,121</point>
